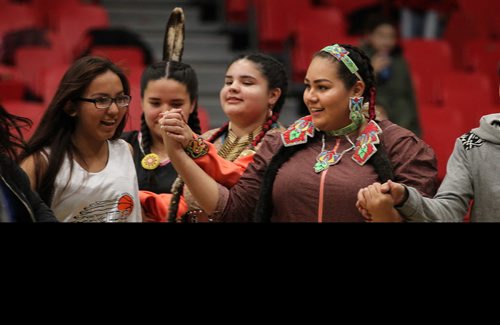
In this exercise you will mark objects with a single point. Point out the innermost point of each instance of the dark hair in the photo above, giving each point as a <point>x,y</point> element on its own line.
<point>57,125</point>
<point>349,79</point>
<point>264,209</point>
<point>275,74</point>
<point>11,136</point>
<point>180,72</point>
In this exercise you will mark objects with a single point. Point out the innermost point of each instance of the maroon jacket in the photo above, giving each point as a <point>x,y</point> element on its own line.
<point>296,188</point>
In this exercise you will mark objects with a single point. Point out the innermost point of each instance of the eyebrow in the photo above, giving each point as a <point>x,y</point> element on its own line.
<point>242,77</point>
<point>108,95</point>
<point>318,80</point>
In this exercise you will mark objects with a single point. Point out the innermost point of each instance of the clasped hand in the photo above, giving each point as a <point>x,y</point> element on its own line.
<point>176,132</point>
<point>376,202</point>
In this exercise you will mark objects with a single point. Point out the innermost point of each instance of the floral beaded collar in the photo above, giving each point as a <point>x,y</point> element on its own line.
<point>364,148</point>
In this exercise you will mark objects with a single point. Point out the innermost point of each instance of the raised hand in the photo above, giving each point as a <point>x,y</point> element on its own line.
<point>177,134</point>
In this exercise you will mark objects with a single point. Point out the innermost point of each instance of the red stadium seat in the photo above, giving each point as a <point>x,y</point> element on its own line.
<point>237,10</point>
<point>308,40</point>
<point>17,16</point>
<point>428,61</point>
<point>275,25</point>
<point>51,80</point>
<point>11,89</point>
<point>348,6</point>
<point>135,109</point>
<point>483,55</point>
<point>441,126</point>
<point>73,23</point>
<point>468,95</point>
<point>32,61</point>
<point>125,56</point>
<point>11,85</point>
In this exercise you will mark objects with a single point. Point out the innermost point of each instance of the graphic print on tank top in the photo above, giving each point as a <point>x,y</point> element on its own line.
<point>116,210</point>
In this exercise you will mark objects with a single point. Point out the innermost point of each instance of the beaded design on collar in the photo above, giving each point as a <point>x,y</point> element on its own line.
<point>365,143</point>
<point>364,149</point>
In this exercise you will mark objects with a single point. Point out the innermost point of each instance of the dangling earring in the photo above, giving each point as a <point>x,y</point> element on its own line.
<point>355,110</point>
<point>355,115</point>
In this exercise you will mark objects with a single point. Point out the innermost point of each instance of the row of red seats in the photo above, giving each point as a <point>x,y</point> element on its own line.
<point>450,100</point>
<point>40,69</point>
<point>67,21</point>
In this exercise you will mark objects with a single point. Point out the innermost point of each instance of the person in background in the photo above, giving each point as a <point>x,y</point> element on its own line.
<point>395,93</point>
<point>18,203</point>
<point>75,159</point>
<point>313,171</point>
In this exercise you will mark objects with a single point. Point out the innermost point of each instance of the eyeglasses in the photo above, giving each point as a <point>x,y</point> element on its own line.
<point>121,101</point>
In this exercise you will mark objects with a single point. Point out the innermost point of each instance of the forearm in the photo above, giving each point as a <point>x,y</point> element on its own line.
<point>223,171</point>
<point>203,188</point>
<point>445,207</point>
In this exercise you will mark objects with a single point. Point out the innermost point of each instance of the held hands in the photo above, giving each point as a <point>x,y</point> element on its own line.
<point>177,134</point>
<point>376,202</point>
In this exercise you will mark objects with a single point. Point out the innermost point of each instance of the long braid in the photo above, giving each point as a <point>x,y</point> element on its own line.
<point>194,121</point>
<point>146,140</point>
<point>178,187</point>
<point>371,107</point>
<point>264,209</point>
<point>266,127</point>
<point>380,160</point>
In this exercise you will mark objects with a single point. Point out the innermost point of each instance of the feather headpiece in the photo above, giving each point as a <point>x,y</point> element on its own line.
<point>173,45</point>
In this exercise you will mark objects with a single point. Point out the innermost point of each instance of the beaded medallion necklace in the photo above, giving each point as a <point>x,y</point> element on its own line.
<point>327,158</point>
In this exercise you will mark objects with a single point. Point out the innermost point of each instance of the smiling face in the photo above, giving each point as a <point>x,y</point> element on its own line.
<point>326,95</point>
<point>161,96</point>
<point>100,124</point>
<point>245,97</point>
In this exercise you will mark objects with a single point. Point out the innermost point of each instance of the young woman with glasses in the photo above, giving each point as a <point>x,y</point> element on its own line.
<point>75,159</point>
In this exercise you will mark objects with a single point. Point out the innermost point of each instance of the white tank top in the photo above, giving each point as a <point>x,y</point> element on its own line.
<point>111,195</point>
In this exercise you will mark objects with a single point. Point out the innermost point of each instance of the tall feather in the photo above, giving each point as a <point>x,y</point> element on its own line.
<point>173,45</point>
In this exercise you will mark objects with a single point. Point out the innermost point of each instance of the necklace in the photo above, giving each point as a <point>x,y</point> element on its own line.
<point>327,158</point>
<point>233,147</point>
<point>150,161</point>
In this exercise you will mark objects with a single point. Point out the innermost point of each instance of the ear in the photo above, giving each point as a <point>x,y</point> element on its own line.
<point>359,88</point>
<point>274,95</point>
<point>70,109</point>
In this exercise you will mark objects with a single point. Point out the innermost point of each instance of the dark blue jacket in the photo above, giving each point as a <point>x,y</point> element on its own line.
<point>19,203</point>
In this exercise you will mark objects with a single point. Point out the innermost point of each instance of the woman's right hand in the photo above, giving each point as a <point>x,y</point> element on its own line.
<point>378,204</point>
<point>176,132</point>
